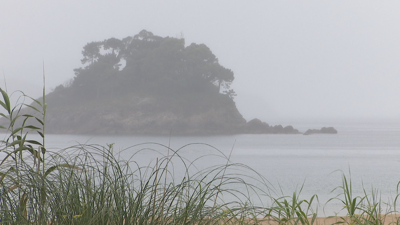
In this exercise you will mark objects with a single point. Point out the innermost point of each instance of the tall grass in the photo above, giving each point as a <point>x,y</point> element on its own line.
<point>90,184</point>
<point>365,209</point>
<point>293,210</point>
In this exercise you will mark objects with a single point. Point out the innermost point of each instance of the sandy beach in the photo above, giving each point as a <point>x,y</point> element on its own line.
<point>389,219</point>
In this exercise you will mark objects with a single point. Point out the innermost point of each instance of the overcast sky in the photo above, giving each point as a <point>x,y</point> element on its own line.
<point>293,60</point>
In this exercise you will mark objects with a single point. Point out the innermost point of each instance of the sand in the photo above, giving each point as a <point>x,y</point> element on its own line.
<point>389,219</point>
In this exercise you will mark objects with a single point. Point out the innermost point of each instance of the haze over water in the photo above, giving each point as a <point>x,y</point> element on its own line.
<point>293,61</point>
<point>303,63</point>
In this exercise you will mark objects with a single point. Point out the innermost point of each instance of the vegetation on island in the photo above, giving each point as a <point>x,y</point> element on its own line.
<point>146,63</point>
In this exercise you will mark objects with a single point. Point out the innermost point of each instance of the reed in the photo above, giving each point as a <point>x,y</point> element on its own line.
<point>292,210</point>
<point>366,209</point>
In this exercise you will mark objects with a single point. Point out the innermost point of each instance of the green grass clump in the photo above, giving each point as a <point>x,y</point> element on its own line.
<point>292,210</point>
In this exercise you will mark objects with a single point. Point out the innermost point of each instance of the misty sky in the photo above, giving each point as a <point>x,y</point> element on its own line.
<point>293,60</point>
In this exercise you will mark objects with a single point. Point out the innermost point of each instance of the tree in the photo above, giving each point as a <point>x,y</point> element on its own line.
<point>154,63</point>
<point>117,46</point>
<point>91,52</point>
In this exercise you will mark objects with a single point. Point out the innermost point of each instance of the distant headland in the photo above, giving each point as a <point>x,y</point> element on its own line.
<point>150,85</point>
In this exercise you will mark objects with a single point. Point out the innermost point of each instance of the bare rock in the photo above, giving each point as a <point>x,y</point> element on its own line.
<point>324,130</point>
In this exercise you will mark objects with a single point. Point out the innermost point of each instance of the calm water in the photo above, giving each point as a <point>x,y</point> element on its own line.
<point>371,152</point>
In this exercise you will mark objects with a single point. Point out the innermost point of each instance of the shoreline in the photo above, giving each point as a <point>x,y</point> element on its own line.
<point>388,219</point>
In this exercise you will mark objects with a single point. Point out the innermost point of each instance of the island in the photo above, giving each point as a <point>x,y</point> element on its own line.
<point>323,130</point>
<point>150,85</point>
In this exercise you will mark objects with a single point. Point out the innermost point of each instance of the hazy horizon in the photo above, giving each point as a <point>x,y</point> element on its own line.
<point>308,61</point>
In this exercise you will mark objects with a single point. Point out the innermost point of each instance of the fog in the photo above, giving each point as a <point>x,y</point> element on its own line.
<point>312,61</point>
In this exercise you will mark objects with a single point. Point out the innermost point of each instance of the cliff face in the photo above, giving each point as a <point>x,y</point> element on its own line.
<point>146,115</point>
<point>150,115</point>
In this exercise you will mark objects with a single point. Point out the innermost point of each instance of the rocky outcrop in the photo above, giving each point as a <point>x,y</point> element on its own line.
<point>148,115</point>
<point>256,126</point>
<point>324,130</point>
<point>151,115</point>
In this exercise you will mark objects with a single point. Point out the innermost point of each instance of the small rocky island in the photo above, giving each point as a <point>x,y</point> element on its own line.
<point>324,130</point>
<point>150,85</point>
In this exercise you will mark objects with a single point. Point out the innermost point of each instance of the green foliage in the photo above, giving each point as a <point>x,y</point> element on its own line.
<point>292,210</point>
<point>367,209</point>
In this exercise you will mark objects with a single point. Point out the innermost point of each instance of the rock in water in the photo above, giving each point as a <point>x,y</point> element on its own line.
<point>324,130</point>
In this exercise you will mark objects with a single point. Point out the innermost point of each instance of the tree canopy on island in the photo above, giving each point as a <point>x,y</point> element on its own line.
<point>150,63</point>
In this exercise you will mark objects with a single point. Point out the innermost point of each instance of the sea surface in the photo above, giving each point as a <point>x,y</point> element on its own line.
<point>368,154</point>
